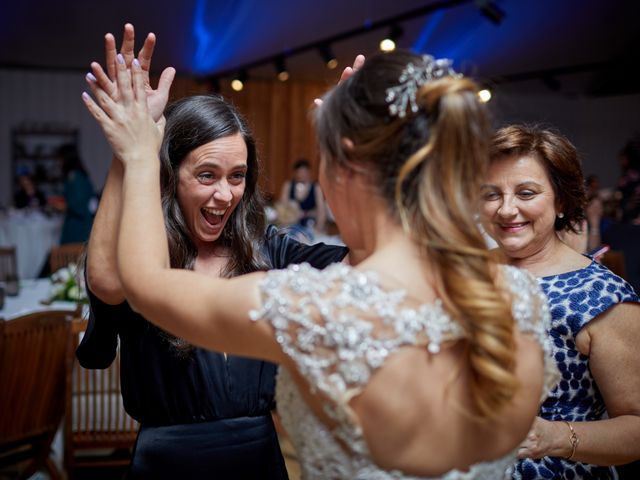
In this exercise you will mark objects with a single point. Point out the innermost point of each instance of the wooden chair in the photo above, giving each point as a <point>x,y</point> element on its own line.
<point>614,261</point>
<point>63,255</point>
<point>96,423</point>
<point>33,372</point>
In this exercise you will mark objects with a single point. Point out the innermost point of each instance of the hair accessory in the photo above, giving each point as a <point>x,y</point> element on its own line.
<point>412,78</point>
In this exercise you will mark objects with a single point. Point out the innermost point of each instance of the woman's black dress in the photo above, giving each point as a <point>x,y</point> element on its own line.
<point>201,415</point>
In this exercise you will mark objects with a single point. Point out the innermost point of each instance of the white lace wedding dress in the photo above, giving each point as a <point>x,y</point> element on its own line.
<point>339,325</point>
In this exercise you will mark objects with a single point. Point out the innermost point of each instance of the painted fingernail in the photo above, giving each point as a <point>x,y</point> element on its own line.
<point>120,58</point>
<point>91,77</point>
<point>85,95</point>
<point>136,63</point>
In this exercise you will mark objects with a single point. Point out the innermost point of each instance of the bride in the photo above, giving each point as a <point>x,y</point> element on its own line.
<point>425,360</point>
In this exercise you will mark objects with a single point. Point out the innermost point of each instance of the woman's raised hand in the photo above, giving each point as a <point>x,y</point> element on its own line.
<point>346,74</point>
<point>124,114</point>
<point>349,71</point>
<point>156,99</point>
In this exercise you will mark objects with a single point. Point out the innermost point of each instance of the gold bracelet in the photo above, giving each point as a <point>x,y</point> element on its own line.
<point>573,439</point>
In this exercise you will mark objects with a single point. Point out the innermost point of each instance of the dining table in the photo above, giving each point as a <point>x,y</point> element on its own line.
<point>33,296</point>
<point>32,232</point>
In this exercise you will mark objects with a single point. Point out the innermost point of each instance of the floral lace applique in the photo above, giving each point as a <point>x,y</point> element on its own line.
<point>339,326</point>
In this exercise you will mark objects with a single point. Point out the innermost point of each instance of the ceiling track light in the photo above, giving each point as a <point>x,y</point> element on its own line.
<point>390,42</point>
<point>484,95</point>
<point>327,55</point>
<point>490,10</point>
<point>281,69</point>
<point>237,84</point>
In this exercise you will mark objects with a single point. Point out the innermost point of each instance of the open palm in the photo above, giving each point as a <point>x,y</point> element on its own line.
<point>156,99</point>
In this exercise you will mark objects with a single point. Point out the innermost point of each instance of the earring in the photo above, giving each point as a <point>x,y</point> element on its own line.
<point>561,215</point>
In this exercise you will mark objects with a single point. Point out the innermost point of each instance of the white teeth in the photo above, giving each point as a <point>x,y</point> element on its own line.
<point>212,211</point>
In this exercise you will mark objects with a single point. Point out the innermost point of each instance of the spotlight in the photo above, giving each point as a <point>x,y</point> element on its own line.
<point>388,44</point>
<point>281,69</point>
<point>484,95</point>
<point>237,84</point>
<point>328,57</point>
<point>490,10</point>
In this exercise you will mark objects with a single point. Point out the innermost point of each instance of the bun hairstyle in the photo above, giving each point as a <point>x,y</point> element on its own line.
<point>428,165</point>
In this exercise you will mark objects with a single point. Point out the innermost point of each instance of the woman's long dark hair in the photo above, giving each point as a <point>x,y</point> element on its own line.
<point>192,122</point>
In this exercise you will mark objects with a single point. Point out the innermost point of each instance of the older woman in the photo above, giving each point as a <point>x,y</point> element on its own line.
<point>591,420</point>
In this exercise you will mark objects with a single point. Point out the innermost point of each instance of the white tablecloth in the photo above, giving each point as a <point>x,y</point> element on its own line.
<point>33,234</point>
<point>29,300</point>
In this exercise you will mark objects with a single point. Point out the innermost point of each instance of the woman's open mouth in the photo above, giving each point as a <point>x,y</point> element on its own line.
<point>213,216</point>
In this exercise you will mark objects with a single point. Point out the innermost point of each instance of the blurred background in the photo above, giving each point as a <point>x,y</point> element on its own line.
<point>572,64</point>
<point>569,64</point>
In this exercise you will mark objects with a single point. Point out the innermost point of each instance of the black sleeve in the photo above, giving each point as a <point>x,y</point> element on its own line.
<point>99,343</point>
<point>283,250</point>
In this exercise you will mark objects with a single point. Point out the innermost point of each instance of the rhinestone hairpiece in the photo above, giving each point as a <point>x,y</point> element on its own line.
<point>412,78</point>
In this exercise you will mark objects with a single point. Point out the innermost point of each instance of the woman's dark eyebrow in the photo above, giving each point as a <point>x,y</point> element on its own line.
<point>210,164</point>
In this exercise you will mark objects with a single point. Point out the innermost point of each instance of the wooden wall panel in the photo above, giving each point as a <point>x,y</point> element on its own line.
<point>279,116</point>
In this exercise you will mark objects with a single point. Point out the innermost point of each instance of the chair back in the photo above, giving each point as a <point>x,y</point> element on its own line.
<point>33,372</point>
<point>8,263</point>
<point>614,261</point>
<point>96,416</point>
<point>63,255</point>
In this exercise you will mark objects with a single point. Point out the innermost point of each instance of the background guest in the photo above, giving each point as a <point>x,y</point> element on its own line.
<point>28,194</point>
<point>79,197</point>
<point>629,182</point>
<point>624,235</point>
<point>306,195</point>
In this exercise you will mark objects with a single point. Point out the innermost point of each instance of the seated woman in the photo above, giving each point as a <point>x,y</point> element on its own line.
<point>306,196</point>
<point>427,346</point>
<point>28,194</point>
<point>591,420</point>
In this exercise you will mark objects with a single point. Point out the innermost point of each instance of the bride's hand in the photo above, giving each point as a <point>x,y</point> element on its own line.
<point>128,126</point>
<point>346,74</point>
<point>156,99</point>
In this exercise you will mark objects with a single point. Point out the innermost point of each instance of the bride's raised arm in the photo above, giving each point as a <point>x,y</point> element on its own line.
<point>208,312</point>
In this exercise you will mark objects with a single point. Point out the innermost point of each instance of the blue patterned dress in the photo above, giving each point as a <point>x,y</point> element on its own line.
<point>575,298</point>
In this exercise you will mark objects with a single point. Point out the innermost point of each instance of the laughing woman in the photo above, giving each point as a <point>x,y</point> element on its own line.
<point>202,414</point>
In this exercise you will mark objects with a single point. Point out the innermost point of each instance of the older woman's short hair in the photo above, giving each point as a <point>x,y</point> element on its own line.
<point>560,160</point>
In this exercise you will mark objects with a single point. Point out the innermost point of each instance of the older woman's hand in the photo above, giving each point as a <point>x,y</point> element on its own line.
<point>546,439</point>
